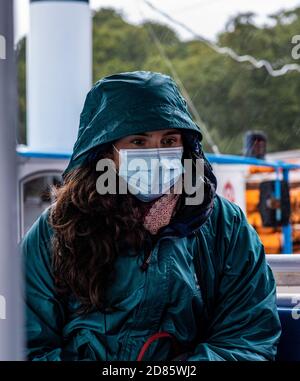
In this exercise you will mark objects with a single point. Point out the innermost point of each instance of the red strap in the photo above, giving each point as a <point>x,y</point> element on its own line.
<point>150,340</point>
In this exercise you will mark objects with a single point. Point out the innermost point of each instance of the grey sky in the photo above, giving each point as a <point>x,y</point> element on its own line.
<point>206,17</point>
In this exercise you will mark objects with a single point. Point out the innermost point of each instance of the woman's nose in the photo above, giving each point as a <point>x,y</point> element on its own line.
<point>155,143</point>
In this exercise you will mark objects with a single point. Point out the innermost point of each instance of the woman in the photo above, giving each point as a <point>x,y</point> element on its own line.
<point>144,275</point>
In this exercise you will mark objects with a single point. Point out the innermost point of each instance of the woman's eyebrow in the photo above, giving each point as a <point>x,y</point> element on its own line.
<point>141,134</point>
<point>147,134</point>
<point>172,133</point>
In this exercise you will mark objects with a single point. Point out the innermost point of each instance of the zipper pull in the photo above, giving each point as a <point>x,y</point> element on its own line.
<point>148,250</point>
<point>146,262</point>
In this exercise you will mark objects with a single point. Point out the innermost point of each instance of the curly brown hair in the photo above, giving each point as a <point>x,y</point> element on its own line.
<point>89,231</point>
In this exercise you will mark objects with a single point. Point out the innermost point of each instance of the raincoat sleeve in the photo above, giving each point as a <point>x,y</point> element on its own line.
<point>44,311</point>
<point>244,324</point>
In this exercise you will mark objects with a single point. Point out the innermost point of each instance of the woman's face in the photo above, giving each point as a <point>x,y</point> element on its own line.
<point>153,139</point>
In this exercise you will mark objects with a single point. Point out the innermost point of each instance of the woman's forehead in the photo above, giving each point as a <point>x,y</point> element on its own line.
<point>167,131</point>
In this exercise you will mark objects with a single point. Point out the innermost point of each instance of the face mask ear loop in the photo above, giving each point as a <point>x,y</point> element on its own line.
<point>116,149</point>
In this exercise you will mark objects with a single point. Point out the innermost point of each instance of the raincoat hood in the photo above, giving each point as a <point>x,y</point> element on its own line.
<point>125,104</point>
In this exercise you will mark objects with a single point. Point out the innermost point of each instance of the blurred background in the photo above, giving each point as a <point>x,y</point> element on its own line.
<point>229,96</point>
<point>124,39</point>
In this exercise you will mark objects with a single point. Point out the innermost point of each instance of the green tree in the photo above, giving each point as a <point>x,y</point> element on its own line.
<point>231,98</point>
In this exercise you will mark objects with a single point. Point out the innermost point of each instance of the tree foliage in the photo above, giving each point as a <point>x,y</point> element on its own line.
<point>231,98</point>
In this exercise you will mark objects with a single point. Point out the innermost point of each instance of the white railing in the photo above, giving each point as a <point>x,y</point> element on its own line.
<point>289,264</point>
<point>284,263</point>
<point>289,301</point>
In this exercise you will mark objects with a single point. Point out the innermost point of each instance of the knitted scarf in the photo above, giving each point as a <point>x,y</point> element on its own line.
<point>160,212</point>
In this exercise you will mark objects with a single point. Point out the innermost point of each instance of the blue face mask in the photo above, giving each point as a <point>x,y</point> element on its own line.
<point>151,172</point>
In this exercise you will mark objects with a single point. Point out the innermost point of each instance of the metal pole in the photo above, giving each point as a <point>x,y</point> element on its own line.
<point>11,322</point>
<point>287,229</point>
<point>277,193</point>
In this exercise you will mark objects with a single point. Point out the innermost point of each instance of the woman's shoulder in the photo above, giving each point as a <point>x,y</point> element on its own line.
<point>227,224</point>
<point>225,214</point>
<point>36,243</point>
<point>41,226</point>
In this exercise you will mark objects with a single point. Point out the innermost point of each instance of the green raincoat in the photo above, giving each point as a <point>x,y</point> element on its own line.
<point>230,314</point>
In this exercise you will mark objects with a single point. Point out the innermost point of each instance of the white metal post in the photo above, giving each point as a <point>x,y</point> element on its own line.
<point>59,72</point>
<point>11,306</point>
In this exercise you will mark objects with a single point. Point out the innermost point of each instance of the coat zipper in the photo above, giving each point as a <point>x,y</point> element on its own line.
<point>143,267</point>
<point>146,262</point>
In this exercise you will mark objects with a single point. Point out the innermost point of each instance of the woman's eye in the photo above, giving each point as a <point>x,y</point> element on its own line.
<point>169,141</point>
<point>137,142</point>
